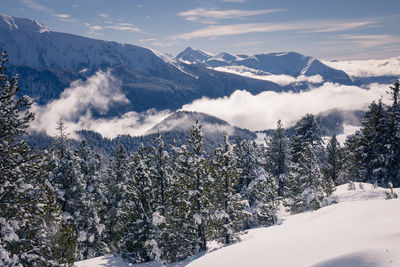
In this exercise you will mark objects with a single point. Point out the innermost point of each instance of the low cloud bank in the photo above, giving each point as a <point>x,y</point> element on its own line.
<point>97,93</point>
<point>259,112</point>
<point>255,112</point>
<point>280,79</point>
<point>368,68</point>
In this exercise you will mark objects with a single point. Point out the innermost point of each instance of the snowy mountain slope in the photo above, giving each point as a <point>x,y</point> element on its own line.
<point>149,79</point>
<point>191,55</point>
<point>29,43</point>
<point>182,121</point>
<point>361,230</point>
<point>291,63</point>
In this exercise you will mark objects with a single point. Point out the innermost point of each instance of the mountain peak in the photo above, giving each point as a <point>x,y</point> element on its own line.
<point>193,55</point>
<point>226,57</point>
<point>12,23</point>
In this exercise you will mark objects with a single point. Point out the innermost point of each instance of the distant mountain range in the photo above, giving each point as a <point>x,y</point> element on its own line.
<point>48,62</point>
<point>293,64</point>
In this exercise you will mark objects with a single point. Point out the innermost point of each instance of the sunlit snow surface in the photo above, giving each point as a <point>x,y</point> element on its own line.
<point>363,229</point>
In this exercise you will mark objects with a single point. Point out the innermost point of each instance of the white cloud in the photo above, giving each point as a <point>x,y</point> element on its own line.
<point>95,27</point>
<point>281,79</point>
<point>216,14</point>
<point>368,68</point>
<point>62,16</point>
<point>244,28</point>
<point>98,92</point>
<point>371,40</point>
<point>132,123</point>
<point>122,28</point>
<point>258,112</point>
<point>234,1</point>
<point>104,15</point>
<point>34,5</point>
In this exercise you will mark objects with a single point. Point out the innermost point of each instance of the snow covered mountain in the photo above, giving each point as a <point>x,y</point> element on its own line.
<point>30,43</point>
<point>191,55</point>
<point>182,121</point>
<point>360,230</point>
<point>49,61</point>
<point>291,63</point>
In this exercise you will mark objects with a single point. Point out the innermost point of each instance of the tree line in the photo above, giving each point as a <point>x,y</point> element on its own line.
<point>166,201</point>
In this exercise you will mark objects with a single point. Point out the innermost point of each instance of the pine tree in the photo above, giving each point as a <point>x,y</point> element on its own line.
<point>278,156</point>
<point>394,135</point>
<point>161,175</point>
<point>138,208</point>
<point>75,179</point>
<point>116,183</point>
<point>31,232</point>
<point>247,162</point>
<point>91,226</point>
<point>256,184</point>
<point>229,206</point>
<point>334,158</point>
<point>371,147</point>
<point>190,186</point>
<point>306,187</point>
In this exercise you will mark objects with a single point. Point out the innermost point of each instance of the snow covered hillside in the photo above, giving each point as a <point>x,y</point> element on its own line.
<point>362,229</point>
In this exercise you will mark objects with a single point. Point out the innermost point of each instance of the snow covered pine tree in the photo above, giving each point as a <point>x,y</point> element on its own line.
<point>31,230</point>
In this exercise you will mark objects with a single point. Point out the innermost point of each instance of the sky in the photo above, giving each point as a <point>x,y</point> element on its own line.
<point>326,29</point>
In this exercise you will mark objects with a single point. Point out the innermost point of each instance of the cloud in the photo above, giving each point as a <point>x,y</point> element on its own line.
<point>259,112</point>
<point>95,28</point>
<point>97,93</point>
<point>234,1</point>
<point>132,123</point>
<point>281,79</point>
<point>62,16</point>
<point>216,14</point>
<point>104,15</point>
<point>34,5</point>
<point>123,28</point>
<point>368,68</point>
<point>244,28</point>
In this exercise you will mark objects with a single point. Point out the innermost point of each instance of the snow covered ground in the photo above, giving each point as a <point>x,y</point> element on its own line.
<point>361,230</point>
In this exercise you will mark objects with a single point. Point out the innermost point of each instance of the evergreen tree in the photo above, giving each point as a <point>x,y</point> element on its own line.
<point>247,162</point>
<point>306,187</point>
<point>334,158</point>
<point>31,231</point>
<point>89,220</point>
<point>75,178</point>
<point>190,188</point>
<point>370,147</point>
<point>278,156</point>
<point>256,184</point>
<point>394,135</point>
<point>161,175</point>
<point>229,206</point>
<point>116,183</point>
<point>138,208</point>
